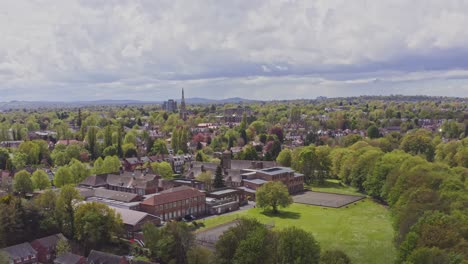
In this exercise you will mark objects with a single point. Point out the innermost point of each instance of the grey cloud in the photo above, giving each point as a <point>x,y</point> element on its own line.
<point>134,48</point>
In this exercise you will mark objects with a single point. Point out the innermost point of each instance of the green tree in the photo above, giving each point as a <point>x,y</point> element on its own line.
<point>295,115</point>
<point>373,131</point>
<point>62,247</point>
<point>110,151</point>
<point>207,178</point>
<point>159,147</point>
<point>297,246</point>
<point>229,242</point>
<point>19,160</point>
<point>67,200</point>
<point>4,158</point>
<point>418,142</point>
<point>255,248</point>
<point>274,195</point>
<point>111,164</point>
<point>218,180</point>
<point>98,166</point>
<point>200,255</point>
<point>129,150</point>
<point>31,150</point>
<point>63,176</point>
<point>334,257</point>
<point>40,180</point>
<point>96,224</point>
<point>91,137</point>
<point>284,158</point>
<point>170,243</point>
<point>22,182</point>
<point>162,168</point>
<point>78,170</point>
<point>46,204</point>
<point>108,136</point>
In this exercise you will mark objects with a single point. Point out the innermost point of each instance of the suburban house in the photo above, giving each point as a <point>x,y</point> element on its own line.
<point>21,254</point>
<point>70,258</point>
<point>175,203</point>
<point>134,220</point>
<point>130,164</point>
<point>46,247</point>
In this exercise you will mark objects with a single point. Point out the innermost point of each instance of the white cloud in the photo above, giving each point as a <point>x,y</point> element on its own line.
<point>135,48</point>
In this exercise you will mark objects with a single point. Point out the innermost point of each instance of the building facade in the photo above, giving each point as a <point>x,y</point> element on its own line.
<point>175,203</point>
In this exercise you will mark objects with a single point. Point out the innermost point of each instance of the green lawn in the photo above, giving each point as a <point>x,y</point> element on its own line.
<point>333,186</point>
<point>364,231</point>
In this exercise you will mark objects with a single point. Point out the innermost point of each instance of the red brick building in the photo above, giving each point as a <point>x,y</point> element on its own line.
<point>46,247</point>
<point>175,203</point>
<point>21,254</point>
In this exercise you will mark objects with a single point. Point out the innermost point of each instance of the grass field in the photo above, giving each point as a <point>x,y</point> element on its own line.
<point>364,230</point>
<point>333,186</point>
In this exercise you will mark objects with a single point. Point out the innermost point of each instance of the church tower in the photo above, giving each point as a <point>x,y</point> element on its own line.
<point>183,110</point>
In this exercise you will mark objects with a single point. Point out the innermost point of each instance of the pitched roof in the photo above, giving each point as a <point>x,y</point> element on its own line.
<point>131,181</point>
<point>21,250</point>
<point>108,194</point>
<point>50,241</point>
<point>132,161</point>
<point>131,217</point>
<point>68,258</point>
<point>95,180</point>
<point>172,195</point>
<point>98,257</point>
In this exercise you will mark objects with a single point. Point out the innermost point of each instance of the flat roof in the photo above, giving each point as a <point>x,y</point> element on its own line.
<point>247,189</point>
<point>276,170</point>
<point>220,192</point>
<point>257,181</point>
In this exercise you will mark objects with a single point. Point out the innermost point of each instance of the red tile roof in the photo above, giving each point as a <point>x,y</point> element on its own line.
<point>173,195</point>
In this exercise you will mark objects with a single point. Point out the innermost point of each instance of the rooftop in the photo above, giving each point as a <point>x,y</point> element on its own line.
<point>225,191</point>
<point>256,181</point>
<point>276,170</point>
<point>131,217</point>
<point>20,250</point>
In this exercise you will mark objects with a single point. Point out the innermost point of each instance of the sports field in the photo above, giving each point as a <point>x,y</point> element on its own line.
<point>363,230</point>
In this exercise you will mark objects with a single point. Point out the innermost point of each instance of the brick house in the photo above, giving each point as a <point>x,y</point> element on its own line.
<point>175,203</point>
<point>21,254</point>
<point>130,164</point>
<point>46,247</point>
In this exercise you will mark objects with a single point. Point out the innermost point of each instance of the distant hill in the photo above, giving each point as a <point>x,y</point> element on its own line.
<point>75,104</point>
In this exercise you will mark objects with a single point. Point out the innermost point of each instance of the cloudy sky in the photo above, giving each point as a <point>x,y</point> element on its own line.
<point>148,49</point>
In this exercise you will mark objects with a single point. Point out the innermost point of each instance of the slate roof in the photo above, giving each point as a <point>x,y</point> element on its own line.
<point>124,180</point>
<point>50,241</point>
<point>131,217</point>
<point>132,161</point>
<point>172,195</point>
<point>95,180</point>
<point>109,194</point>
<point>68,258</point>
<point>21,250</point>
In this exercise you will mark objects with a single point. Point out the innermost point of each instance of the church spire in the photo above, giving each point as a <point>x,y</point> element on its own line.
<point>183,110</point>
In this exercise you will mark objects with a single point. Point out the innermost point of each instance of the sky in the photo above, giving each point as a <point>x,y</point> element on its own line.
<point>68,50</point>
